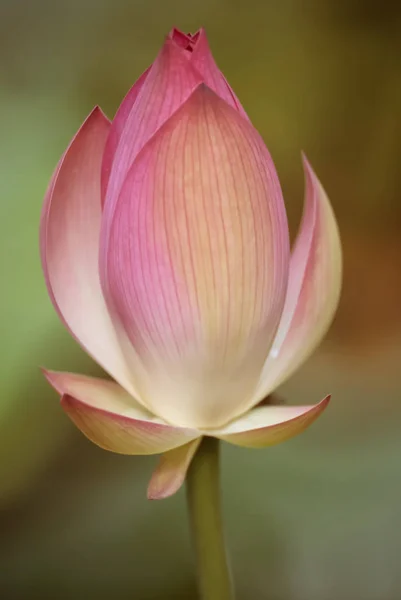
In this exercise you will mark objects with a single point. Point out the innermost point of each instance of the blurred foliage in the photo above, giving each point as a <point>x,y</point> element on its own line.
<point>316,518</point>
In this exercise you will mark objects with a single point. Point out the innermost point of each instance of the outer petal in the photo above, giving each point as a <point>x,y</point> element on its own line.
<point>313,290</point>
<point>198,262</point>
<point>170,473</point>
<point>268,425</point>
<point>111,418</point>
<point>116,130</point>
<point>69,240</point>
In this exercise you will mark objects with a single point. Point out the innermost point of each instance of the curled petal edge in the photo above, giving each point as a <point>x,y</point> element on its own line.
<point>269,425</point>
<point>108,416</point>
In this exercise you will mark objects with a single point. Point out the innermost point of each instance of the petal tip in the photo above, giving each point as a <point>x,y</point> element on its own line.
<point>304,158</point>
<point>311,178</point>
<point>160,493</point>
<point>318,408</point>
<point>52,378</point>
<point>171,471</point>
<point>99,113</point>
<point>271,425</point>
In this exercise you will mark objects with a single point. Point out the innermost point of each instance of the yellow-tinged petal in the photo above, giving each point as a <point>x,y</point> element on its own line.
<point>170,473</point>
<point>269,425</point>
<point>313,290</point>
<point>112,419</point>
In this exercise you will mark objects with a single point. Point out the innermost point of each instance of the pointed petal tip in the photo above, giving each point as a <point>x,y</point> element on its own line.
<point>304,157</point>
<point>270,425</point>
<point>51,377</point>
<point>309,172</point>
<point>318,408</point>
<point>161,494</point>
<point>97,110</point>
<point>95,114</point>
<point>151,496</point>
<point>176,31</point>
<point>64,382</point>
<point>200,33</point>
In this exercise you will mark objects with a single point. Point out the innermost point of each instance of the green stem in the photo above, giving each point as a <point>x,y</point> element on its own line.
<point>203,496</point>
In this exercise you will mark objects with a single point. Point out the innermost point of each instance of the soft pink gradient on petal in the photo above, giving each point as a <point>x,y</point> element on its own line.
<point>116,130</point>
<point>111,418</point>
<point>269,425</point>
<point>170,473</point>
<point>313,290</point>
<point>185,41</point>
<point>198,260</point>
<point>197,51</point>
<point>154,98</point>
<point>168,84</point>
<point>101,393</point>
<point>69,243</point>
<point>202,59</point>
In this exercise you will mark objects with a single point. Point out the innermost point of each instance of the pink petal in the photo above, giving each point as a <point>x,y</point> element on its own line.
<point>197,51</point>
<point>202,59</point>
<point>269,425</point>
<point>198,262</point>
<point>111,418</point>
<point>159,92</point>
<point>170,473</point>
<point>313,290</point>
<point>168,84</point>
<point>69,239</point>
<point>183,40</point>
<point>116,130</point>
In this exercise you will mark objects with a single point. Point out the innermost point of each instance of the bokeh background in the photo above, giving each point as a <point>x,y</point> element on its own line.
<point>318,518</point>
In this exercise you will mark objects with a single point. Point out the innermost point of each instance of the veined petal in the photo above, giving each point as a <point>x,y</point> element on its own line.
<point>197,51</point>
<point>116,130</point>
<point>313,289</point>
<point>69,243</point>
<point>170,473</point>
<point>112,419</point>
<point>202,59</point>
<point>168,84</point>
<point>269,425</point>
<point>197,264</point>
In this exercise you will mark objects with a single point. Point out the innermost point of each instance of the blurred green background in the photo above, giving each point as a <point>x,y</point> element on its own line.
<point>318,518</point>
